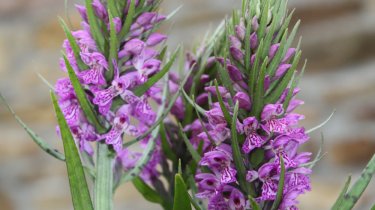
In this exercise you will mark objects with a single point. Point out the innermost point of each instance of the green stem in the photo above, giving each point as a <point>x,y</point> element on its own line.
<point>104,179</point>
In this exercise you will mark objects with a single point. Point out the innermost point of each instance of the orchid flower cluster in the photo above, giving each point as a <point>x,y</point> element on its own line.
<point>220,135</point>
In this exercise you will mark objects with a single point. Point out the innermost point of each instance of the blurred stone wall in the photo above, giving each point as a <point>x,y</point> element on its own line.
<point>338,40</point>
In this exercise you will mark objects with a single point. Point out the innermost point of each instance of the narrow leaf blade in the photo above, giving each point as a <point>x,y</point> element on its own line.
<point>181,195</point>
<point>78,186</point>
<point>38,140</point>
<point>147,192</point>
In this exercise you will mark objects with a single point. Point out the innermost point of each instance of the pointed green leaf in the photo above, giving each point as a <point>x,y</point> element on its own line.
<point>191,102</point>
<point>337,204</point>
<point>351,197</point>
<point>113,46</point>
<point>281,85</point>
<point>255,70</point>
<point>283,28</point>
<point>203,126</point>
<point>257,157</point>
<point>193,152</point>
<point>237,156</point>
<point>259,90</point>
<point>280,187</point>
<point>82,98</point>
<point>167,150</point>
<point>94,25</point>
<point>38,140</point>
<point>146,191</point>
<point>128,21</point>
<point>294,84</point>
<point>263,19</point>
<point>140,90</point>
<point>222,105</point>
<point>181,195</point>
<point>78,186</point>
<point>73,44</point>
<point>112,6</point>
<point>253,204</point>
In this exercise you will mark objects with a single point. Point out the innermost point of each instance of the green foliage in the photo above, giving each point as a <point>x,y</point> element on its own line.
<point>146,191</point>
<point>348,198</point>
<point>78,186</point>
<point>37,139</point>
<point>181,195</point>
<point>82,99</point>
<point>280,187</point>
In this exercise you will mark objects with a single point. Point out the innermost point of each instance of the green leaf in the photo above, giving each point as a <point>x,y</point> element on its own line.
<point>237,156</point>
<point>104,178</point>
<point>247,44</point>
<point>181,195</point>
<point>113,46</point>
<point>192,102</point>
<point>280,187</point>
<point>128,21</point>
<point>38,140</point>
<point>147,192</point>
<point>73,44</point>
<point>276,60</point>
<point>337,204</point>
<point>193,152</point>
<point>294,84</point>
<point>257,157</point>
<point>113,8</point>
<point>259,90</point>
<point>350,198</point>
<point>222,105</point>
<point>203,127</point>
<point>281,85</point>
<point>94,25</point>
<point>82,98</point>
<point>253,204</point>
<point>263,19</point>
<point>167,150</point>
<point>255,70</point>
<point>78,186</point>
<point>140,90</point>
<point>194,203</point>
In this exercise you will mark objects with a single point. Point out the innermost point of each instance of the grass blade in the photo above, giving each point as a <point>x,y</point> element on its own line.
<point>181,195</point>
<point>280,187</point>
<point>128,21</point>
<point>94,25</point>
<point>82,98</point>
<point>193,152</point>
<point>73,44</point>
<point>78,186</point>
<point>351,198</point>
<point>146,191</point>
<point>237,156</point>
<point>38,140</point>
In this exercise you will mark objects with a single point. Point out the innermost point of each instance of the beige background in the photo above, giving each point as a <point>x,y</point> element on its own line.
<point>338,40</point>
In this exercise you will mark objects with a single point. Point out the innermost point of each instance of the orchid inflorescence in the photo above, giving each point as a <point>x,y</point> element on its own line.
<point>224,129</point>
